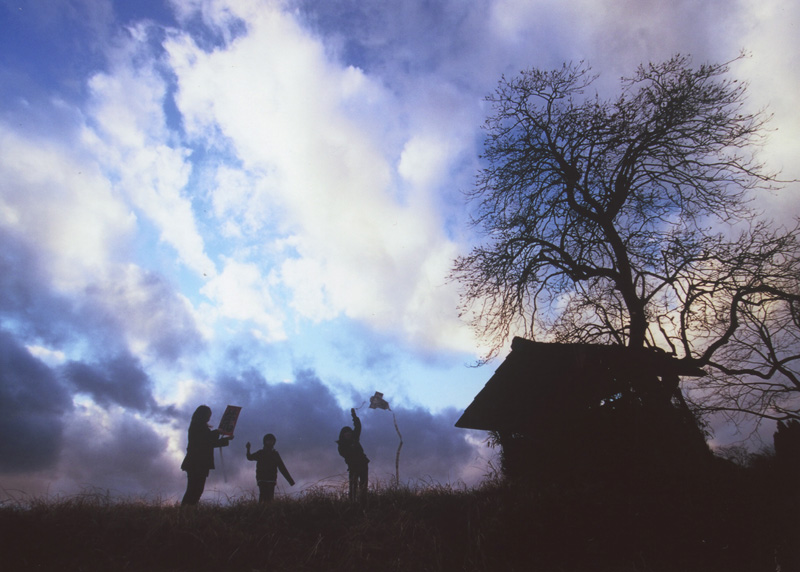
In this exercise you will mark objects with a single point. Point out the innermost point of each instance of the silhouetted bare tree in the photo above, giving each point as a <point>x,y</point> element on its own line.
<point>629,221</point>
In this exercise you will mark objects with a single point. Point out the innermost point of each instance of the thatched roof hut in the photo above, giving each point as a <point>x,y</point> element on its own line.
<point>556,399</point>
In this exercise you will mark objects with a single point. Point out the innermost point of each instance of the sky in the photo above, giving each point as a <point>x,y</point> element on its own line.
<point>257,203</point>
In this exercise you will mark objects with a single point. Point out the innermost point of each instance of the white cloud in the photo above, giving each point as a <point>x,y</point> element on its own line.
<point>132,141</point>
<point>424,160</point>
<point>242,202</point>
<point>49,356</point>
<point>156,321</point>
<point>241,293</point>
<point>63,205</point>
<point>361,247</point>
<point>773,73</point>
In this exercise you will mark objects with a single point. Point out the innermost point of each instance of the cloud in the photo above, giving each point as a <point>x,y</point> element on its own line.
<point>151,317</point>
<point>32,408</point>
<point>432,446</point>
<point>117,451</point>
<point>119,381</point>
<point>314,139</point>
<point>773,73</point>
<point>123,308</point>
<point>27,302</point>
<point>61,203</point>
<point>242,294</point>
<point>131,139</point>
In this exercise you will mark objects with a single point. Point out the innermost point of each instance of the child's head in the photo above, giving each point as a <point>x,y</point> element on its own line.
<point>202,414</point>
<point>345,434</point>
<point>269,440</point>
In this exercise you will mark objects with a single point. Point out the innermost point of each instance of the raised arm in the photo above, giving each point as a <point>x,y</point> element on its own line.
<point>356,424</point>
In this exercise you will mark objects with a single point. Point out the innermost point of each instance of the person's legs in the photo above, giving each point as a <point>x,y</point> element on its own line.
<point>195,483</point>
<point>266,491</point>
<point>353,484</point>
<point>363,480</point>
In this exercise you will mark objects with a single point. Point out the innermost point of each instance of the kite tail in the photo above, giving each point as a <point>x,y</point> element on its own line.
<point>397,457</point>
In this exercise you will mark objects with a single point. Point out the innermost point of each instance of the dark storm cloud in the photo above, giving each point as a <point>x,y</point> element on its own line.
<point>368,31</point>
<point>432,446</point>
<point>120,381</point>
<point>304,415</point>
<point>306,419</point>
<point>128,456</point>
<point>27,302</point>
<point>32,406</point>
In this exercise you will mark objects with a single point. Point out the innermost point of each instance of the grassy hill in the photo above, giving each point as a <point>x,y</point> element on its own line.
<point>497,527</point>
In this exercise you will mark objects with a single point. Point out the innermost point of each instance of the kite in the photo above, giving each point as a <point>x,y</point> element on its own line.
<point>378,402</point>
<point>228,422</point>
<point>226,426</point>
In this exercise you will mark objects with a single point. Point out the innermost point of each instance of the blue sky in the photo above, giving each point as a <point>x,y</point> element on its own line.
<point>257,203</point>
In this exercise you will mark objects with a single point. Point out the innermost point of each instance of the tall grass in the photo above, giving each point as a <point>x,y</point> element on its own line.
<point>425,528</point>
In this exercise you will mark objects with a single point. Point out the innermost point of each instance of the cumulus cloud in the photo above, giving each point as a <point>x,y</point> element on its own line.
<point>131,138</point>
<point>123,308</point>
<point>152,318</point>
<point>33,404</point>
<point>241,293</point>
<point>117,451</point>
<point>36,312</point>
<point>58,201</point>
<point>120,381</point>
<point>287,109</point>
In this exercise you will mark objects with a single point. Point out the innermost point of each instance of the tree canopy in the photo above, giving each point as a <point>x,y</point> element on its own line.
<point>630,221</point>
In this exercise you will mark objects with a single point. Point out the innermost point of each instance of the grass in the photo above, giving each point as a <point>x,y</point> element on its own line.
<point>428,528</point>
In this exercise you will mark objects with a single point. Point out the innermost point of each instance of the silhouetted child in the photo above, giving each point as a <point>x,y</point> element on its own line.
<point>357,462</point>
<point>268,461</point>
<point>199,458</point>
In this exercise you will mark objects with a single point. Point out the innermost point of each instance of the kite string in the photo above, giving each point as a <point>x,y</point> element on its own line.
<point>360,406</point>
<point>222,464</point>
<point>397,457</point>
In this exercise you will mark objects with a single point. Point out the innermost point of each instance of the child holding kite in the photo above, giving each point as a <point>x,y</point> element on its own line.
<point>268,462</point>
<point>199,458</point>
<point>357,462</point>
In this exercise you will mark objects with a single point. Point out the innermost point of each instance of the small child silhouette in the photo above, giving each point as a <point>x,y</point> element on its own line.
<point>268,461</point>
<point>357,462</point>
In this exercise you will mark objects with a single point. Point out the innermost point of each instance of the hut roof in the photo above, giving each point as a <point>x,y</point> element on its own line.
<point>545,380</point>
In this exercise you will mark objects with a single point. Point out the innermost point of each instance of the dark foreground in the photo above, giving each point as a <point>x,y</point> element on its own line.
<point>498,527</point>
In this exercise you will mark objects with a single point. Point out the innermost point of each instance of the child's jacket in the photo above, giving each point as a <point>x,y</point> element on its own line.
<point>351,450</point>
<point>267,465</point>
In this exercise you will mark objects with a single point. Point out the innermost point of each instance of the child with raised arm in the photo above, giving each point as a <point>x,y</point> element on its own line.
<point>268,462</point>
<point>357,462</point>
